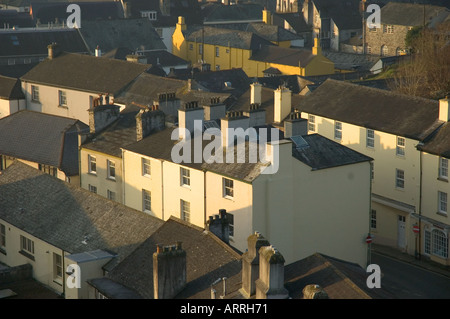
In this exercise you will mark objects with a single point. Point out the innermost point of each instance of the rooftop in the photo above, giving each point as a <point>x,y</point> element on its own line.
<point>284,56</point>
<point>345,14</point>
<point>10,89</point>
<point>412,14</point>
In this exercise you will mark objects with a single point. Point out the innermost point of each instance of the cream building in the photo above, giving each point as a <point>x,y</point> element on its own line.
<point>287,205</point>
<point>387,127</point>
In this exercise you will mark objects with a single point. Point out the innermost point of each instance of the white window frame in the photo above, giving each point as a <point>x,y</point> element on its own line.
<point>217,49</point>
<point>35,93</point>
<point>111,166</point>
<point>439,243</point>
<point>151,15</point>
<point>93,189</point>
<point>228,191</point>
<point>400,148</point>
<point>442,202</point>
<point>311,123</point>
<point>62,98</point>
<point>370,140</point>
<point>185,210</point>
<point>230,218</point>
<point>146,167</point>
<point>57,267</point>
<point>399,178</point>
<point>185,177</point>
<point>373,219</point>
<point>92,163</point>
<point>2,236</point>
<point>111,195</point>
<point>146,201</point>
<point>26,245</point>
<point>337,130</point>
<point>443,168</point>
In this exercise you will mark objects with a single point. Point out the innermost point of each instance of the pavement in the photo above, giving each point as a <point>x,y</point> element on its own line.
<point>423,262</point>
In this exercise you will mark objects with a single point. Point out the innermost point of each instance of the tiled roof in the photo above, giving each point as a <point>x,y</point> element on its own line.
<point>207,259</point>
<point>283,56</point>
<point>10,88</point>
<point>69,217</point>
<point>345,14</point>
<point>411,14</point>
<point>438,143</point>
<point>87,73</point>
<point>377,109</point>
<point>42,138</point>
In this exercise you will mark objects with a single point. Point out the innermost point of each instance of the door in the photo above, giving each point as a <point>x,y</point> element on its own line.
<point>401,232</point>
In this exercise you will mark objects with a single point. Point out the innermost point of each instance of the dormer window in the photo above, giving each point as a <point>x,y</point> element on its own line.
<point>151,15</point>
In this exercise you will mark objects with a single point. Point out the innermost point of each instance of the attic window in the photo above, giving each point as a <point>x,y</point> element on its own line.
<point>151,15</point>
<point>15,40</point>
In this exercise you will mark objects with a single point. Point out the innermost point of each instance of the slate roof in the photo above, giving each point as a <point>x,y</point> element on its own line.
<point>215,81</point>
<point>321,152</point>
<point>377,109</point>
<point>164,58</point>
<point>295,20</point>
<point>34,42</point>
<point>15,18</point>
<point>340,279</point>
<point>10,88</point>
<point>225,37</point>
<point>87,73</point>
<point>345,14</point>
<point>215,12</point>
<point>63,214</point>
<point>283,56</point>
<point>411,14</point>
<point>351,61</point>
<point>42,138</point>
<point>49,11</point>
<point>134,34</point>
<point>16,70</point>
<point>207,259</point>
<point>438,143</point>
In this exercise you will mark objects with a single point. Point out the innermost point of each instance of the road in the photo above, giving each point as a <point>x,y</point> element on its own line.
<point>407,281</point>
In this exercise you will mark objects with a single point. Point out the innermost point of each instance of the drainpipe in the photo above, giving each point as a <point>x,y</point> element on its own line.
<point>204,197</point>
<point>420,209</point>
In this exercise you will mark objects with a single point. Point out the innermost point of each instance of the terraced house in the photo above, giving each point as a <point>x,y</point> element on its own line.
<point>409,170</point>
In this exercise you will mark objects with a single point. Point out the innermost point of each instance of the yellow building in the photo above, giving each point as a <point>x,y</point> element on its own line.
<point>387,127</point>
<point>230,48</point>
<point>291,205</point>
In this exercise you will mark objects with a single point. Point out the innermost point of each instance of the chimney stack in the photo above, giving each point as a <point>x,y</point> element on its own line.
<point>101,116</point>
<point>250,264</point>
<point>255,93</point>
<point>216,110</point>
<point>232,120</point>
<point>137,58</point>
<point>149,120</point>
<point>270,284</point>
<point>53,50</point>
<point>257,115</point>
<point>187,117</point>
<point>282,103</point>
<point>168,103</point>
<point>169,271</point>
<point>444,109</point>
<point>220,226</point>
<point>98,52</point>
<point>295,125</point>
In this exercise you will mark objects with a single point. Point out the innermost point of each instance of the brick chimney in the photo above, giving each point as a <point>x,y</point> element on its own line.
<point>444,109</point>
<point>169,271</point>
<point>282,103</point>
<point>295,125</point>
<point>101,116</point>
<point>250,264</point>
<point>220,226</point>
<point>270,284</point>
<point>149,120</point>
<point>187,115</point>
<point>216,110</point>
<point>53,50</point>
<point>256,115</point>
<point>255,93</point>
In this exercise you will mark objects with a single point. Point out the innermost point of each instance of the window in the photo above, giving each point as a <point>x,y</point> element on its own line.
<point>93,189</point>
<point>146,167</point>
<point>439,243</point>
<point>191,46</point>
<point>185,177</point>
<point>92,162</point>
<point>373,219</point>
<point>57,266</point>
<point>388,28</point>
<point>146,201</point>
<point>400,178</point>
<point>442,202</point>
<point>384,50</point>
<point>230,218</point>
<point>217,67</point>
<point>35,93</point>
<point>217,51</point>
<point>111,169</point>
<point>62,98</point>
<point>227,188</point>
<point>185,210</point>
<point>151,15</point>
<point>369,49</point>
<point>338,130</point>
<point>26,61</point>
<point>200,49</point>
<point>443,168</point>
<point>400,151</point>
<point>370,138</point>
<point>111,195</point>
<point>427,242</point>
<point>11,61</point>
<point>2,236</point>
<point>48,169</point>
<point>311,123</point>
<point>26,245</point>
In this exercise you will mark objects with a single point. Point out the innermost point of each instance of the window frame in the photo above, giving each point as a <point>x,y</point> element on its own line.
<point>92,160</point>
<point>399,179</point>
<point>400,149</point>
<point>35,93</point>
<point>230,218</point>
<point>26,245</point>
<point>146,165</point>
<point>227,190</point>
<point>146,198</point>
<point>111,165</point>
<point>57,267</point>
<point>185,210</point>
<point>443,169</point>
<point>185,179</point>
<point>311,123</point>
<point>442,201</point>
<point>370,140</point>
<point>2,236</point>
<point>217,51</point>
<point>62,98</point>
<point>439,244</point>
<point>92,188</point>
<point>373,219</point>
<point>337,130</point>
<point>111,195</point>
